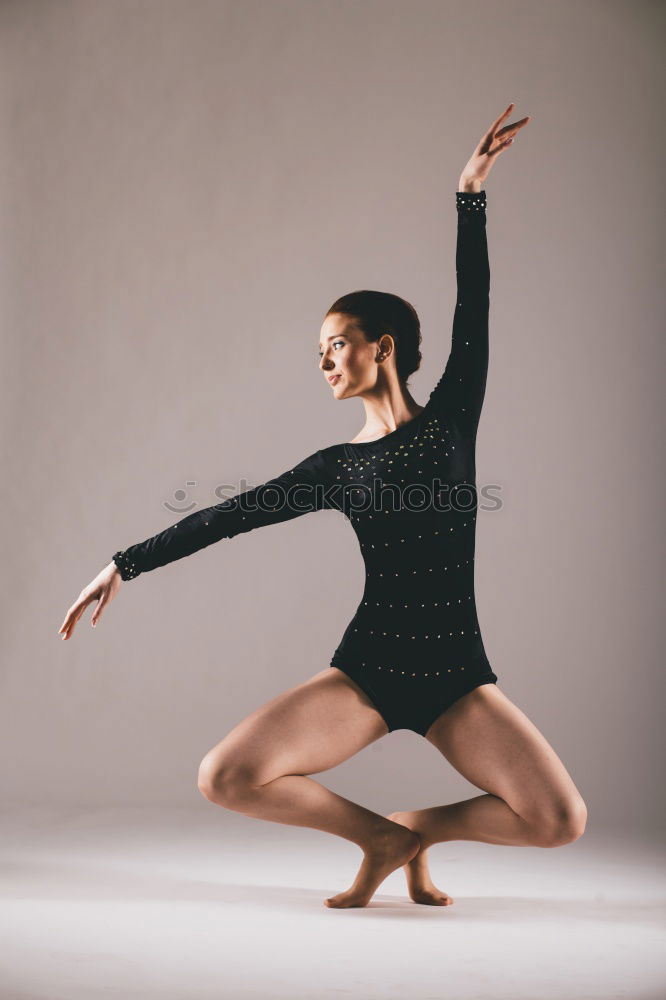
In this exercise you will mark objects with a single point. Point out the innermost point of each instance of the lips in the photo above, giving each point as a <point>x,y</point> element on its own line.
<point>333,379</point>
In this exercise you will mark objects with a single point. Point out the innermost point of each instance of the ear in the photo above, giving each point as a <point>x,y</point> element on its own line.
<point>385,346</point>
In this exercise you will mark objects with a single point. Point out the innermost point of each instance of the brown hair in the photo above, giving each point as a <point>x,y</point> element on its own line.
<point>377,313</point>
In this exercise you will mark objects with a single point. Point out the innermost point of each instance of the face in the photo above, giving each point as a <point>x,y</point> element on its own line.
<point>347,357</point>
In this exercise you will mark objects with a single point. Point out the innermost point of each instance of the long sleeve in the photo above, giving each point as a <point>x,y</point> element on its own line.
<point>295,492</point>
<point>461,389</point>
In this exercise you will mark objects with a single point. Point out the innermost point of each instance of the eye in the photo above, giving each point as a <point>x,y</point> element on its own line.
<point>334,344</point>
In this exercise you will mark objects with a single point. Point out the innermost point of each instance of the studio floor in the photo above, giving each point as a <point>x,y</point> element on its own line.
<point>186,904</point>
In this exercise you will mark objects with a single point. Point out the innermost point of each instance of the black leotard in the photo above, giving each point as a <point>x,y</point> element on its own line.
<point>414,644</point>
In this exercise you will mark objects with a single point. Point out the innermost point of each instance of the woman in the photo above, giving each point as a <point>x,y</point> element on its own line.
<point>412,657</point>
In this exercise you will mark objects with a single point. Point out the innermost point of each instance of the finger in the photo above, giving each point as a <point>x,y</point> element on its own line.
<point>513,127</point>
<point>98,610</point>
<point>64,628</point>
<point>502,145</point>
<point>68,619</point>
<point>75,608</point>
<point>71,627</point>
<point>76,612</point>
<point>79,614</point>
<point>495,125</point>
<point>487,139</point>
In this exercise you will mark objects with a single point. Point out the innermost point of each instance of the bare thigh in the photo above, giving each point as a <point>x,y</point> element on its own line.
<point>493,744</point>
<point>307,729</point>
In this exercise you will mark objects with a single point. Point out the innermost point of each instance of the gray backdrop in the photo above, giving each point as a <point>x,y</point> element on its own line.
<point>186,188</point>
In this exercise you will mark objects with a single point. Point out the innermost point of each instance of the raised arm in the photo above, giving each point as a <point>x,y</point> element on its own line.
<point>461,389</point>
<point>297,491</point>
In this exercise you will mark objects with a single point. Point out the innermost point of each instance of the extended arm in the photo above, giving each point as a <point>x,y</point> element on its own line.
<point>461,388</point>
<point>297,491</point>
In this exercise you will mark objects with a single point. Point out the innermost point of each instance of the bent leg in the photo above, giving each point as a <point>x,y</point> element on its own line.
<point>531,798</point>
<point>261,769</point>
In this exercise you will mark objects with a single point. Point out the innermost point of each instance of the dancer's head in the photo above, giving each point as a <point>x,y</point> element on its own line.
<point>368,338</point>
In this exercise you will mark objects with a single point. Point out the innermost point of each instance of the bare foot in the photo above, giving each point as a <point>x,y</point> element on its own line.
<point>421,887</point>
<point>389,850</point>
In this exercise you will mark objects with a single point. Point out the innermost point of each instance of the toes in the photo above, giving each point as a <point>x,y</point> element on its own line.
<point>343,904</point>
<point>432,897</point>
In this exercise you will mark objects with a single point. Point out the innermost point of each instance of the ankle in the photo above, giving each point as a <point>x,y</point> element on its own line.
<point>410,821</point>
<point>401,818</point>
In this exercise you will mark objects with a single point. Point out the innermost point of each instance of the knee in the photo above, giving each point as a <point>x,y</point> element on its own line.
<point>222,782</point>
<point>566,825</point>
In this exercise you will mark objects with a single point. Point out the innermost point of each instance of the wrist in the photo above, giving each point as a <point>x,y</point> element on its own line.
<point>471,184</point>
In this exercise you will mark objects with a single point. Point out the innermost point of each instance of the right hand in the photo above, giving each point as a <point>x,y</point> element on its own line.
<point>103,588</point>
<point>478,166</point>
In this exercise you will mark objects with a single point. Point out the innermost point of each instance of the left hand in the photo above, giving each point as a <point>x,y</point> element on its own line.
<point>493,142</point>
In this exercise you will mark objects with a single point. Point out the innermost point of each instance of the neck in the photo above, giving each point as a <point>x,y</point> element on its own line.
<point>386,412</point>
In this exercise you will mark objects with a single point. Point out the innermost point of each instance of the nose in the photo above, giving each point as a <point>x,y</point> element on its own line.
<point>324,363</point>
